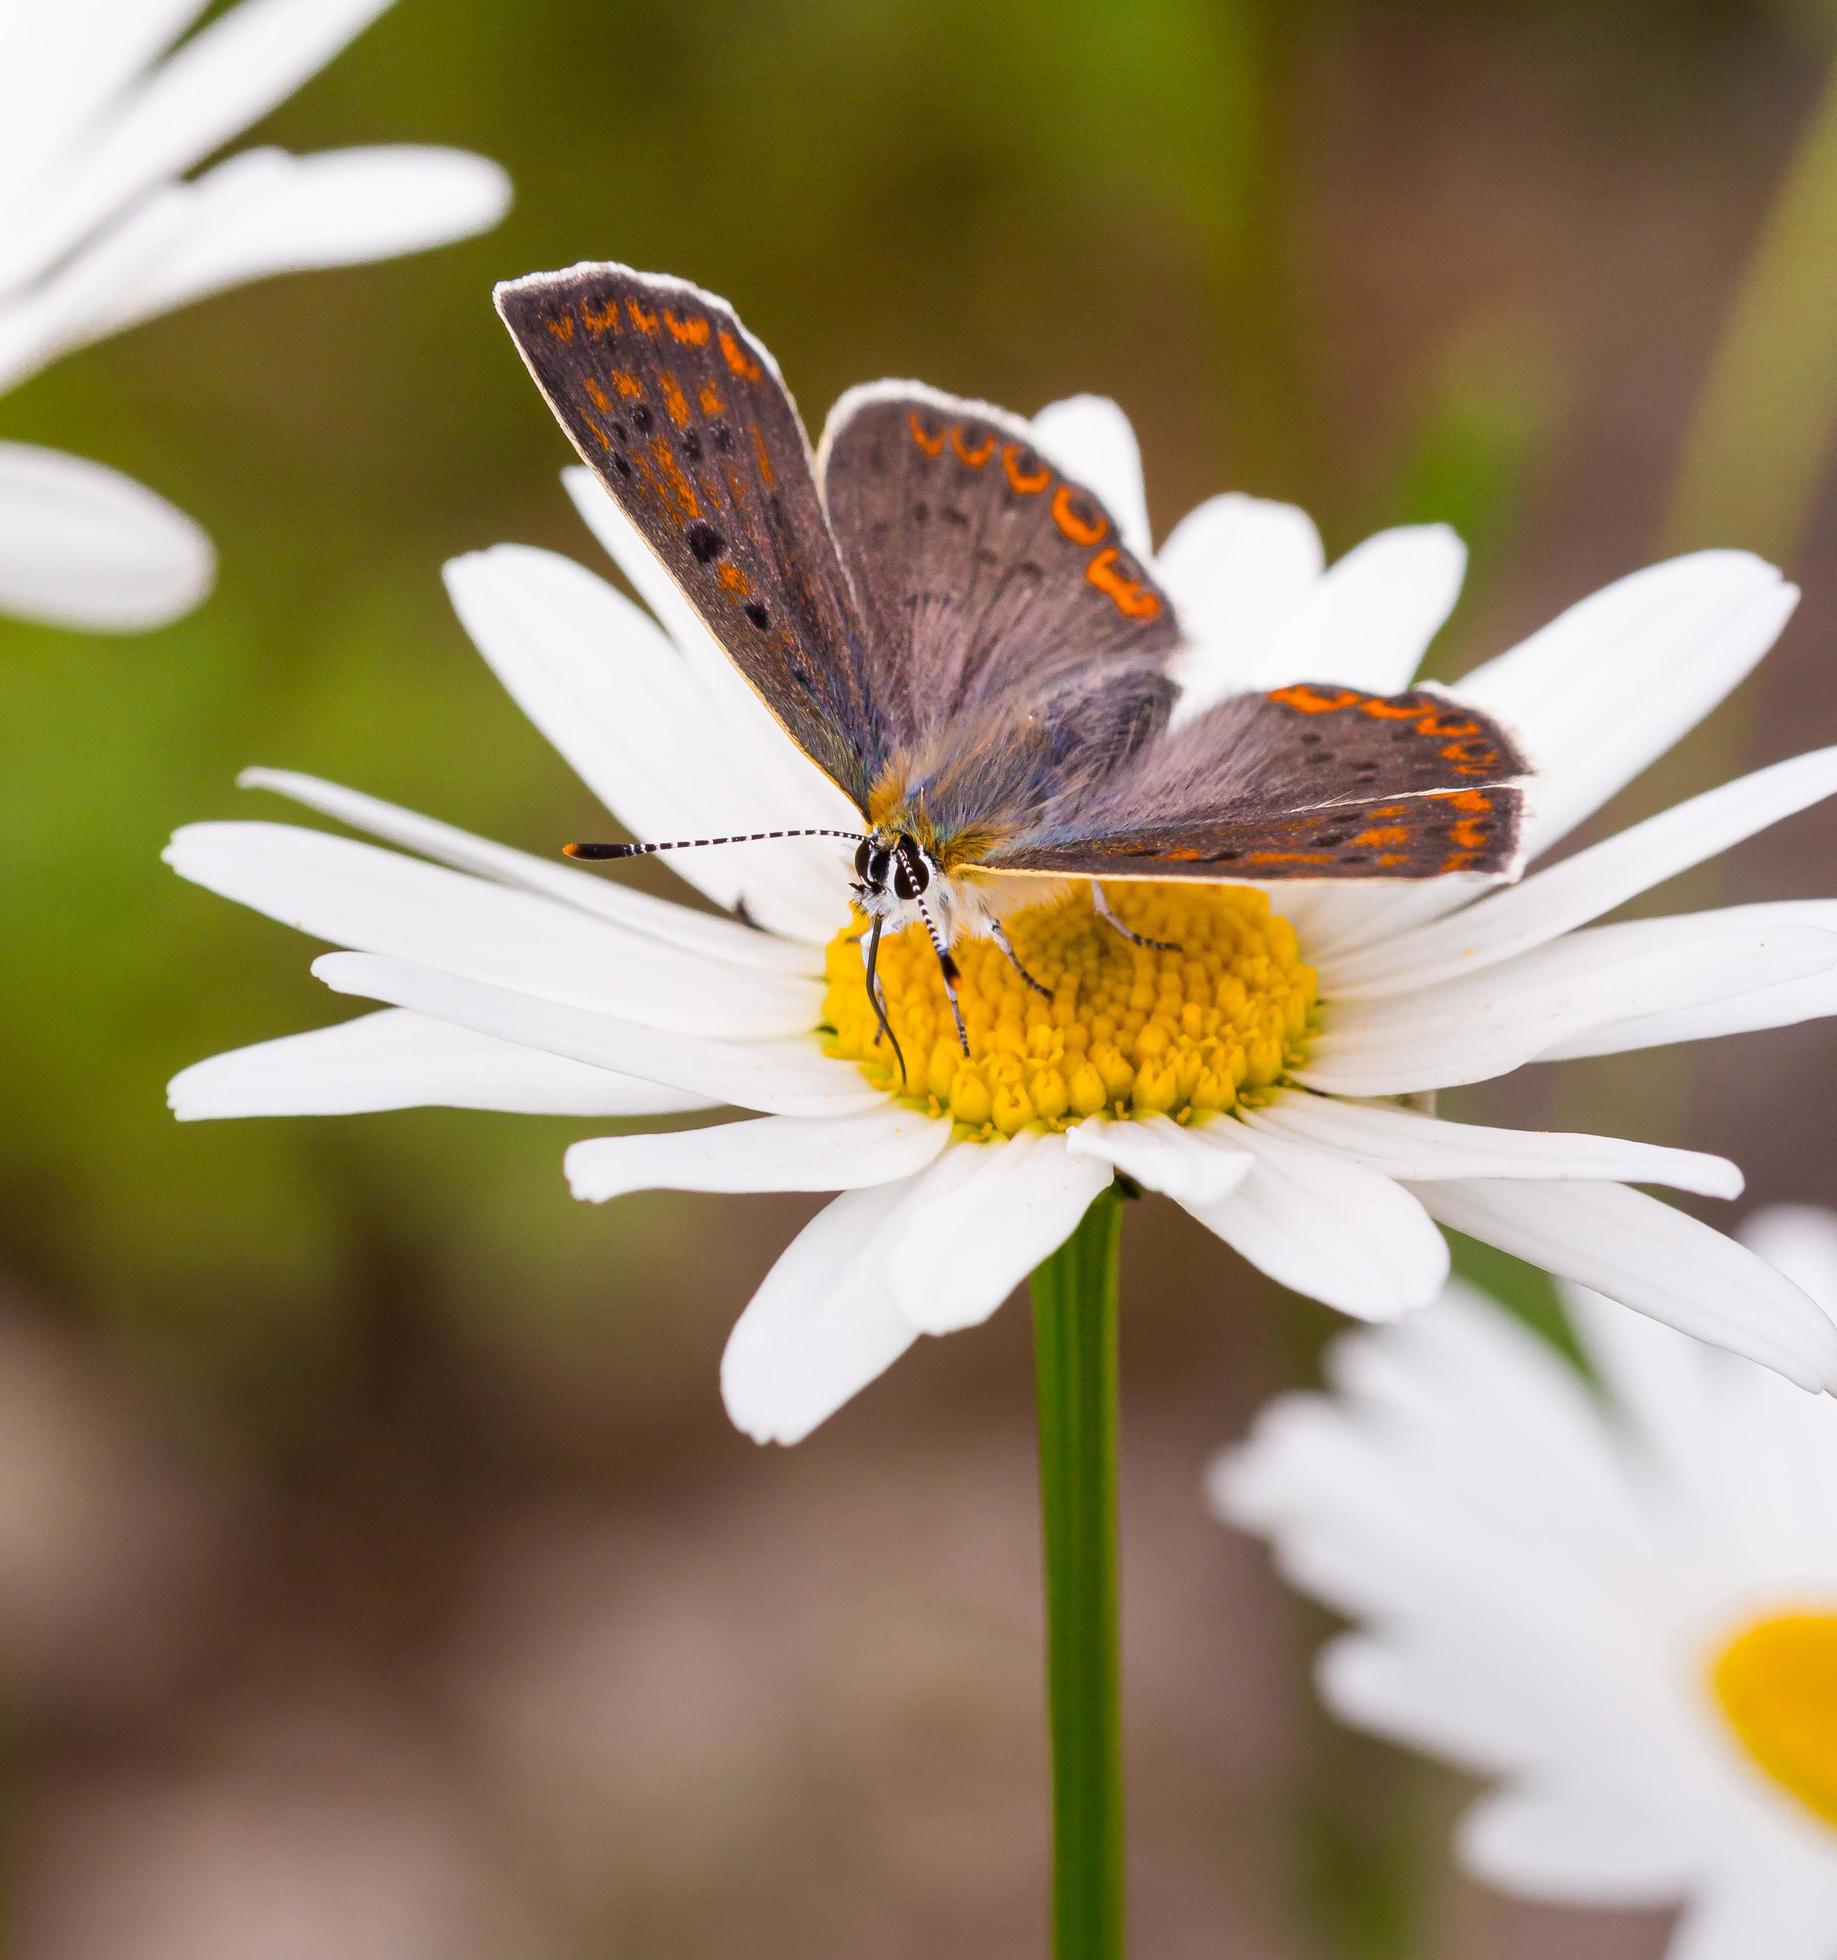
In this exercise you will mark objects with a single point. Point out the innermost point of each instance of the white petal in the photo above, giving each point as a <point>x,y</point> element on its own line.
<point>1159,1154</point>
<point>265,212</point>
<point>1777,1004</point>
<point>1801,1240</point>
<point>1653,1258</point>
<point>1404,1143</point>
<point>84,546</point>
<point>1324,1226</point>
<point>1235,567</point>
<point>63,64</point>
<point>397,1060</point>
<point>1368,621</point>
<point>970,1235</point>
<point>1473,1029</point>
<point>377,901</point>
<point>1609,686</point>
<point>659,919</point>
<point>617,699</point>
<point>1589,884</point>
<point>781,1078</point>
<point>1586,1849</point>
<point>1089,439</point>
<point>767,1153</point>
<point>822,1326</point>
<point>217,83</point>
<point>1758,1916</point>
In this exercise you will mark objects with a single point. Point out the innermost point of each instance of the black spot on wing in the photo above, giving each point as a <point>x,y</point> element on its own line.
<point>705,542</point>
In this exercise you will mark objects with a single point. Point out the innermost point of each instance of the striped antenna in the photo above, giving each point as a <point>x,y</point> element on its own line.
<point>696,843</point>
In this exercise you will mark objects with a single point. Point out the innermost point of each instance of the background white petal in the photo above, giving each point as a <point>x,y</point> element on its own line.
<point>1653,1258</point>
<point>764,1153</point>
<point>1332,1229</point>
<point>396,1060</point>
<point>84,546</point>
<point>1578,1846</point>
<point>217,83</point>
<point>1088,438</point>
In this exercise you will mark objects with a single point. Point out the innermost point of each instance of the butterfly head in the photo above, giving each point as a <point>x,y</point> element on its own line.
<point>893,873</point>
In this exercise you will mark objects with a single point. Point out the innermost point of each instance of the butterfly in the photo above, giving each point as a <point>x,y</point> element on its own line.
<point>954,631</point>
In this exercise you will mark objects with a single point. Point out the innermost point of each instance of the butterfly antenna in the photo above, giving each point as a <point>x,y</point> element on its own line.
<point>948,967</point>
<point>876,1001</point>
<point>695,843</point>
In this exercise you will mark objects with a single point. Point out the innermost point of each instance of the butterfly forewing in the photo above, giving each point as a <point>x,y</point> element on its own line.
<point>1312,781</point>
<point>982,571</point>
<point>682,415</point>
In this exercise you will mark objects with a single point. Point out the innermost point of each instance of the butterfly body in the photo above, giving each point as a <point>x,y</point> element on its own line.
<point>955,632</point>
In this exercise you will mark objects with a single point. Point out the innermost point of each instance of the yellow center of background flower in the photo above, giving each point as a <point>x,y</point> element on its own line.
<point>1776,1684</point>
<point>1128,1029</point>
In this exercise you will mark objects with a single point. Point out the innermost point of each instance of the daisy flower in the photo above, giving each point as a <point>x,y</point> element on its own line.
<point>1270,1074</point>
<point>101,116</point>
<point>1619,1608</point>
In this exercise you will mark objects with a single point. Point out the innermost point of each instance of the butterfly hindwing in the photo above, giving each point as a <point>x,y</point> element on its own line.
<point>1311,781</point>
<point>981,570</point>
<point>683,417</point>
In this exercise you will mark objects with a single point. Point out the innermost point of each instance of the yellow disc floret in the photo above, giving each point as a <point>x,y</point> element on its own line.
<point>1776,1684</point>
<point>1128,1029</point>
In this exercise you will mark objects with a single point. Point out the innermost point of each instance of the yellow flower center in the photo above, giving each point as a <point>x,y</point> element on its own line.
<point>1776,1684</point>
<point>1127,1028</point>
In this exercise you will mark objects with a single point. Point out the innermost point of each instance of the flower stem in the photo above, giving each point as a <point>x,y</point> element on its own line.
<point>1074,1342</point>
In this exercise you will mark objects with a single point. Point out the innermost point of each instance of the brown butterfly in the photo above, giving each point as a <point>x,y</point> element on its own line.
<point>954,632</point>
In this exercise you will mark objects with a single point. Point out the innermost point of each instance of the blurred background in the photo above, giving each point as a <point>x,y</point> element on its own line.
<point>379,1575</point>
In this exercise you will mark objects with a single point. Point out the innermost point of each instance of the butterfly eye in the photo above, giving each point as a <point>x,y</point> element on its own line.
<point>863,853</point>
<point>910,875</point>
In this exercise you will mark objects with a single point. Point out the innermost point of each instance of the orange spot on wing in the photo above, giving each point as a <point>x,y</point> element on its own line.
<point>1469,799</point>
<point>976,457</point>
<point>1383,834</point>
<point>767,475</point>
<point>734,580</point>
<point>598,395</point>
<point>562,326</point>
<point>1469,833</point>
<point>675,401</point>
<point>710,399</point>
<point>630,388</point>
<point>930,444</point>
<point>1380,709</point>
<point>1073,523</point>
<point>603,322</point>
<point>691,329</point>
<point>1308,700</point>
<point>1131,597</point>
<point>640,315</point>
<point>1018,479</point>
<point>1184,855</point>
<point>1289,857</point>
<point>738,359</point>
<point>1390,858</point>
<point>671,471</point>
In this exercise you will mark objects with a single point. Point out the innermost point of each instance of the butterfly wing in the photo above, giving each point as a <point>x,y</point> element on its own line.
<point>1308,782</point>
<point>1019,649</point>
<point>684,418</point>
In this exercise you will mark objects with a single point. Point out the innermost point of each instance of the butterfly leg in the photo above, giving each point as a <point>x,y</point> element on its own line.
<point>999,933</point>
<point>948,967</point>
<point>1101,906</point>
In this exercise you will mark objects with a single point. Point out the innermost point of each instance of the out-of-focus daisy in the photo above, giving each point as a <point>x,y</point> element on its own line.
<point>101,116</point>
<point>1268,1075</point>
<point>1620,1608</point>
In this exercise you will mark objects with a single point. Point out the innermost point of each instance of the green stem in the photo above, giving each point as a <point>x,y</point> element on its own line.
<point>1074,1340</point>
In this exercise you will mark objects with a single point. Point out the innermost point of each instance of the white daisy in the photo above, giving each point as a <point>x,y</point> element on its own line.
<point>101,116</point>
<point>1268,1076</point>
<point>1622,1607</point>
